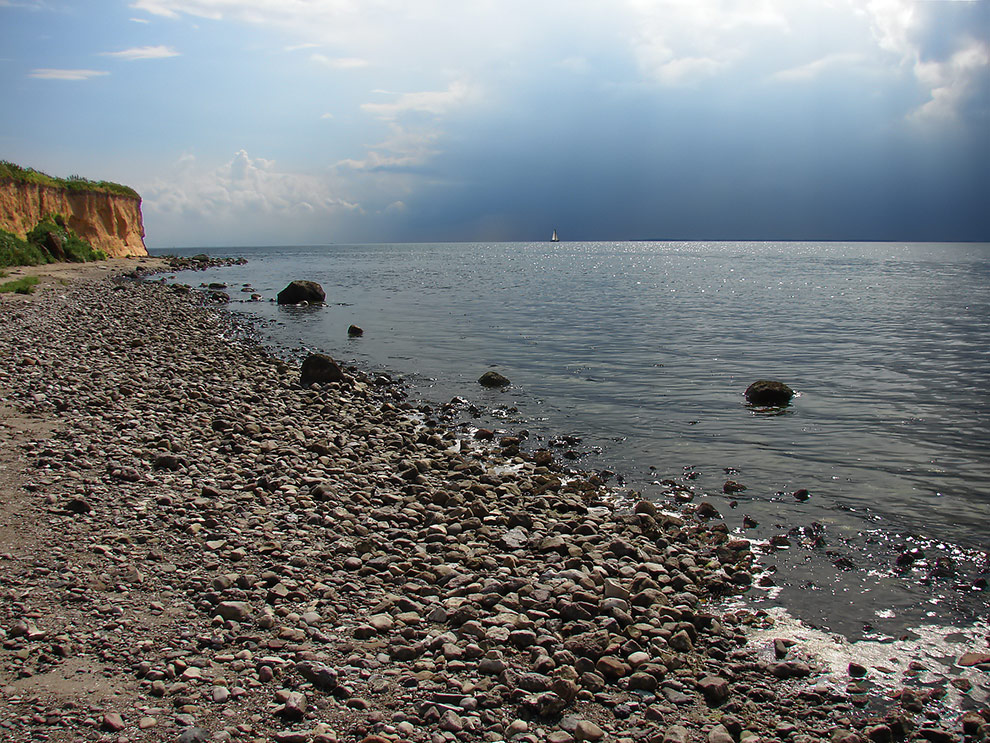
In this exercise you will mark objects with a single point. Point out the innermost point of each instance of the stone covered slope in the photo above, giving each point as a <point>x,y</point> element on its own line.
<point>109,222</point>
<point>208,551</point>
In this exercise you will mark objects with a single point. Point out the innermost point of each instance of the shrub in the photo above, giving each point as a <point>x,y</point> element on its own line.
<point>23,285</point>
<point>17,252</point>
<point>52,233</point>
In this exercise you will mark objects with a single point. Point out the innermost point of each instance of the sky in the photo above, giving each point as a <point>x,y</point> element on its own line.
<point>278,122</point>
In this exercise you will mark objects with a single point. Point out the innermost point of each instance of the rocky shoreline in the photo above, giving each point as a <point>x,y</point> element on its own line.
<point>195,547</point>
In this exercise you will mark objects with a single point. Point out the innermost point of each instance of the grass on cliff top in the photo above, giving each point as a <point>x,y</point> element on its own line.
<point>23,285</point>
<point>49,242</point>
<point>73,183</point>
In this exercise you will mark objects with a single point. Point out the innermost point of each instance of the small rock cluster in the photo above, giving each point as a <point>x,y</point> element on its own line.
<point>205,549</point>
<point>200,262</point>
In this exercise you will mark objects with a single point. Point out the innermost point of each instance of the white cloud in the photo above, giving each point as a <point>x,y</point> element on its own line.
<point>667,43</point>
<point>435,102</point>
<point>687,70</point>
<point>952,82</point>
<point>339,63</point>
<point>811,70</point>
<point>143,52</point>
<point>244,188</point>
<point>402,149</point>
<point>414,121</point>
<point>893,21</point>
<point>682,42</point>
<point>168,9</point>
<point>52,74</point>
<point>952,68</point>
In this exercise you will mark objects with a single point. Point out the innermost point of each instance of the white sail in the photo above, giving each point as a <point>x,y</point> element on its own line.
<point>555,239</point>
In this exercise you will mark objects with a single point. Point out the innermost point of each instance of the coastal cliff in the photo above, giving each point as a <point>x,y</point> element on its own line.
<point>109,222</point>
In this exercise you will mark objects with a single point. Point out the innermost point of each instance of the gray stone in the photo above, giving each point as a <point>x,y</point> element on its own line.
<point>588,730</point>
<point>194,734</point>
<point>112,722</point>
<point>681,641</point>
<point>319,675</point>
<point>451,722</point>
<point>235,611</point>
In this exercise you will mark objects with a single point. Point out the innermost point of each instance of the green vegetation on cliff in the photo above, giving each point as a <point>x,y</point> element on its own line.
<point>50,241</point>
<point>73,183</point>
<point>17,252</point>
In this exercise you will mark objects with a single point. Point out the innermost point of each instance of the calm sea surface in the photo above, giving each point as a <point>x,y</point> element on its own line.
<point>643,351</point>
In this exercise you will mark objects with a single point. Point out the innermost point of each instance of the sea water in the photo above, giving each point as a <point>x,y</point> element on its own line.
<point>642,352</point>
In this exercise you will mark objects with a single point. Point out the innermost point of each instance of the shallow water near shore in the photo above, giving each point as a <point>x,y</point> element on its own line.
<point>643,350</point>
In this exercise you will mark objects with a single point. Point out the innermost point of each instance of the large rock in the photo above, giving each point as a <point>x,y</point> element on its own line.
<point>54,245</point>
<point>715,689</point>
<point>302,291</point>
<point>318,674</point>
<point>319,367</point>
<point>769,393</point>
<point>493,379</point>
<point>235,611</point>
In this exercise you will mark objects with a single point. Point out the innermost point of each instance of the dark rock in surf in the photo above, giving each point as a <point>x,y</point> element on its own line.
<point>493,379</point>
<point>354,331</point>
<point>301,291</point>
<point>319,367</point>
<point>944,567</point>
<point>908,557</point>
<point>707,511</point>
<point>769,393</point>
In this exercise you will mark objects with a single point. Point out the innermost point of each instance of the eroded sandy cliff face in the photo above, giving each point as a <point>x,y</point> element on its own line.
<point>108,222</point>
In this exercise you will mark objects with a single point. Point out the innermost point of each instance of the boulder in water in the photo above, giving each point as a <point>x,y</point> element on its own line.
<point>354,331</point>
<point>319,367</point>
<point>298,292</point>
<point>769,393</point>
<point>493,379</point>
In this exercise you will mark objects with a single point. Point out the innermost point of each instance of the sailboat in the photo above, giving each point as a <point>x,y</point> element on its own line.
<point>555,239</point>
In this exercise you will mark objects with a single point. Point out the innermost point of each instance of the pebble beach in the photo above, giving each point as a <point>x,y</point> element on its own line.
<point>196,547</point>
